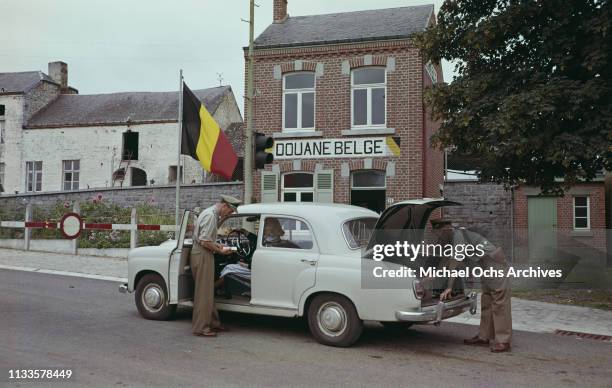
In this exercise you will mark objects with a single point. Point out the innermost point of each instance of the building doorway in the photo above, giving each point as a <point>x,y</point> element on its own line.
<point>130,146</point>
<point>139,177</point>
<point>368,189</point>
<point>542,222</point>
<point>297,187</point>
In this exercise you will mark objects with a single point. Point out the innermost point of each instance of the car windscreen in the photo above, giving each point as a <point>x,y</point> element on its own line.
<point>357,231</point>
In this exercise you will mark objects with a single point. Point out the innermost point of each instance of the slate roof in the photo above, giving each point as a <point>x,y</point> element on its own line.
<point>379,24</point>
<point>21,82</point>
<point>71,110</point>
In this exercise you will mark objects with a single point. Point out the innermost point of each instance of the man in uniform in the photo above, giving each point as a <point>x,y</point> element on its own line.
<point>495,307</point>
<point>205,321</point>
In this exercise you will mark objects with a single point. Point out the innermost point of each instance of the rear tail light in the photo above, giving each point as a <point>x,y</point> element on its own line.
<point>419,290</point>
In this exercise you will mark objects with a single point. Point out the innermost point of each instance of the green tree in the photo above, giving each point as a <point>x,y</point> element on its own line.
<point>532,100</point>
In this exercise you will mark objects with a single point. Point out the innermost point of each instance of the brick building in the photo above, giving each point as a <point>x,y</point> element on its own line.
<point>54,139</point>
<point>531,226</point>
<point>342,96</point>
<point>574,223</point>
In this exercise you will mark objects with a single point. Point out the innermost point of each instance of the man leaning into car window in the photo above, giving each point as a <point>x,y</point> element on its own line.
<point>205,321</point>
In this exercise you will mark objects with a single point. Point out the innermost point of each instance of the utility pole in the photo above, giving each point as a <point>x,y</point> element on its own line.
<point>248,146</point>
<point>179,176</point>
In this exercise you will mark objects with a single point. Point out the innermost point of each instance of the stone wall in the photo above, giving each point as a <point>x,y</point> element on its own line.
<point>487,208</point>
<point>162,197</point>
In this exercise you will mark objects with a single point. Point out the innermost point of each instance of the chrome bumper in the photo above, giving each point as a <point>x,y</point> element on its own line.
<point>440,311</point>
<point>123,288</point>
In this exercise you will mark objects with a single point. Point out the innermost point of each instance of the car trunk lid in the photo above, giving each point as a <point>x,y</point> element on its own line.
<point>407,221</point>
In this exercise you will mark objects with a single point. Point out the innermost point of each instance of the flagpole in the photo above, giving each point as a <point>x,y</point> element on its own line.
<point>180,139</point>
<point>248,146</point>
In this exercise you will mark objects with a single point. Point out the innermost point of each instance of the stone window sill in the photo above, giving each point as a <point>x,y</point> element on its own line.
<point>294,134</point>
<point>368,131</point>
<point>581,233</point>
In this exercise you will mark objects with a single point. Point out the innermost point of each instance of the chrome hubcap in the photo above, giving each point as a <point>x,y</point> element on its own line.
<point>153,297</point>
<point>332,319</point>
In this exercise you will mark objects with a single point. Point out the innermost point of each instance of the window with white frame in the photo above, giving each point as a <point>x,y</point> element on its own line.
<point>297,187</point>
<point>71,172</point>
<point>368,91</point>
<point>34,176</point>
<point>581,213</point>
<point>299,101</point>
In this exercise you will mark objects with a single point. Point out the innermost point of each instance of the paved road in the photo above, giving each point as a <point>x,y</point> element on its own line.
<point>49,321</point>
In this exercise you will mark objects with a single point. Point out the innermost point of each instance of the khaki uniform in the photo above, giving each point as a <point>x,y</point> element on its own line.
<point>202,262</point>
<point>495,305</point>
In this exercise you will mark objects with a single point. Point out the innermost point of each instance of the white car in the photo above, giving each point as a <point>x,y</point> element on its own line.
<point>312,268</point>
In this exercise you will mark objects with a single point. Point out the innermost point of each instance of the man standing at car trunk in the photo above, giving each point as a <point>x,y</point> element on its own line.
<point>496,310</point>
<point>205,321</point>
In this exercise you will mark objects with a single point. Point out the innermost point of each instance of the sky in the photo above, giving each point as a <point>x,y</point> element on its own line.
<point>140,45</point>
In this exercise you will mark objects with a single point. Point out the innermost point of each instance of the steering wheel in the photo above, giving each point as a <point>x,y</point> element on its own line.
<point>243,244</point>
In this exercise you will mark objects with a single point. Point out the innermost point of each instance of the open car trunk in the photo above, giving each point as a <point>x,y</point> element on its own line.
<point>407,221</point>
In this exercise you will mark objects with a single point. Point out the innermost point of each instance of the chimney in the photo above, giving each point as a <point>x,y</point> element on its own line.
<point>280,11</point>
<point>58,71</point>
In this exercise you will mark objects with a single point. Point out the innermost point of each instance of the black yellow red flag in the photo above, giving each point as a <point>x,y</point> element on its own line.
<point>203,139</point>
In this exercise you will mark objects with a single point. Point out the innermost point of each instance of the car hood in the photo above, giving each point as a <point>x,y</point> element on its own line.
<point>410,216</point>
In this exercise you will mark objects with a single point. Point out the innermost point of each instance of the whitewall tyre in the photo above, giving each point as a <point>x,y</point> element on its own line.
<point>333,320</point>
<point>152,298</point>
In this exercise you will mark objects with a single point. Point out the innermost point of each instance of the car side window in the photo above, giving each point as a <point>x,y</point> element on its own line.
<point>284,232</point>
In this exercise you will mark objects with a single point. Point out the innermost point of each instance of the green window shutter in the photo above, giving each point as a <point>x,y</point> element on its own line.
<point>269,186</point>
<point>324,186</point>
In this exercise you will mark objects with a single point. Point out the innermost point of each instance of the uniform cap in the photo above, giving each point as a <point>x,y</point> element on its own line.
<point>232,201</point>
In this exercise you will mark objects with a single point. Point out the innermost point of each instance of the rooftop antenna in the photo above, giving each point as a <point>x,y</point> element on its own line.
<point>220,78</point>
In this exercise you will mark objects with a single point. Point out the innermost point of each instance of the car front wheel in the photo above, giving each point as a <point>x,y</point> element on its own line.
<point>333,320</point>
<point>152,298</point>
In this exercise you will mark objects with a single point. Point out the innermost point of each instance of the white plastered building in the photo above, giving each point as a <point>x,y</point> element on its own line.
<point>54,139</point>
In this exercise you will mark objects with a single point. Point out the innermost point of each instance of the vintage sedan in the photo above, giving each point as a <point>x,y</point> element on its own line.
<point>303,260</point>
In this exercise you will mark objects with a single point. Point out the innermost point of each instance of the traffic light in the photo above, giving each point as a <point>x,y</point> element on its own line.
<point>262,156</point>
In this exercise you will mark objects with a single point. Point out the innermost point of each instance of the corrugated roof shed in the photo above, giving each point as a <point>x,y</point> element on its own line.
<point>119,108</point>
<point>391,23</point>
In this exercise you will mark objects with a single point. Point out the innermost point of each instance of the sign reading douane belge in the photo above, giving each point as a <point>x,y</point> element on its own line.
<point>336,148</point>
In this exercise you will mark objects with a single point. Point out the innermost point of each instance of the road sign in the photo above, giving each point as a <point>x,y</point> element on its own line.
<point>71,225</point>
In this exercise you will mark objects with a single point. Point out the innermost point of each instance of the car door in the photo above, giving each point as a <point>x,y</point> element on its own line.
<point>179,279</point>
<point>284,263</point>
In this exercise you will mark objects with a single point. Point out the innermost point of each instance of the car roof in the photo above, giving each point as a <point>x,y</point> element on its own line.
<point>307,210</point>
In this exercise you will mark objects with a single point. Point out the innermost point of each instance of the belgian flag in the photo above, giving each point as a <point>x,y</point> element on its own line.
<point>203,140</point>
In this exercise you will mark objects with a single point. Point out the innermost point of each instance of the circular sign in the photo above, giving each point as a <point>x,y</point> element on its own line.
<point>71,225</point>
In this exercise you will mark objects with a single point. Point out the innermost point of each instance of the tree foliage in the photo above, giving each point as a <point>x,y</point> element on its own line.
<point>532,100</point>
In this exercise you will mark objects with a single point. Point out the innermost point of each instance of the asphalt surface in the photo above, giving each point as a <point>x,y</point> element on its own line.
<point>49,321</point>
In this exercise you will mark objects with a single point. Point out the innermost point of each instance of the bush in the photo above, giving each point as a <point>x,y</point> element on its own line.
<point>97,211</point>
<point>54,215</point>
<point>6,215</point>
<point>147,214</point>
